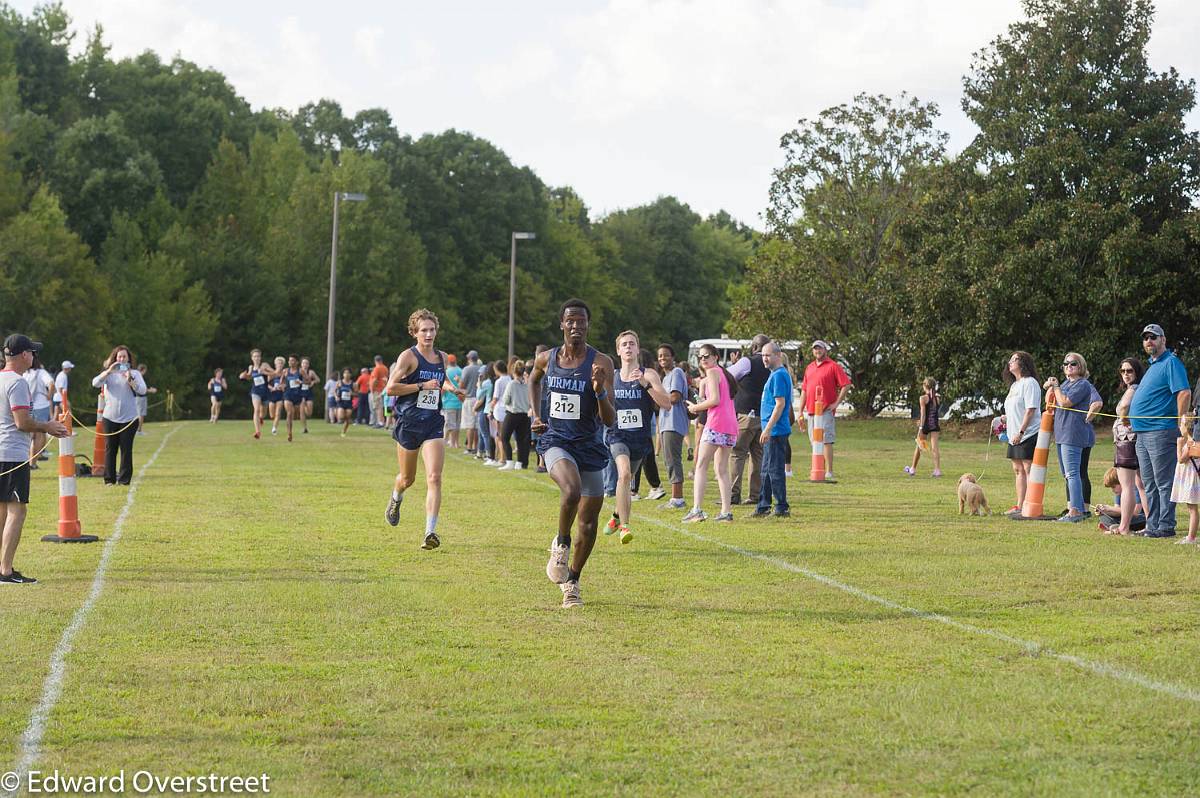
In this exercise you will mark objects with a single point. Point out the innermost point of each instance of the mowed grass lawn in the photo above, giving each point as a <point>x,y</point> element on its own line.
<point>258,615</point>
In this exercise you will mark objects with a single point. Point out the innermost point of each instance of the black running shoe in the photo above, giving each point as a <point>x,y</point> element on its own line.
<point>392,516</point>
<point>431,541</point>
<point>17,578</point>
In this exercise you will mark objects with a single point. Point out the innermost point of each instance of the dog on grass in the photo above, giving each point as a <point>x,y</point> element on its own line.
<point>970,496</point>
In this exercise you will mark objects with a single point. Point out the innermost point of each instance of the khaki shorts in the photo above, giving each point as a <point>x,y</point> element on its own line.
<point>830,423</point>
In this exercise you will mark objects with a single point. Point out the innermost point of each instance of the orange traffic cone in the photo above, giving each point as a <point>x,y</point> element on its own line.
<point>68,502</point>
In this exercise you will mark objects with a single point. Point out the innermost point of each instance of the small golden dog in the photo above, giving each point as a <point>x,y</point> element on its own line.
<point>970,495</point>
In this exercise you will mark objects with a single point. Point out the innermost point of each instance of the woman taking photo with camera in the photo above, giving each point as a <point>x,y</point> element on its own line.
<point>122,384</point>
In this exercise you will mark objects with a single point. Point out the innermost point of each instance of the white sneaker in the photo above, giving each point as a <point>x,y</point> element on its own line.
<point>517,466</point>
<point>557,569</point>
<point>570,591</point>
<point>656,494</point>
<point>787,472</point>
<point>490,462</point>
<point>507,467</point>
<point>633,497</point>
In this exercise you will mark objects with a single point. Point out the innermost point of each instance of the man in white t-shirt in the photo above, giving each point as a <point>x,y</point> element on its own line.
<point>331,406</point>
<point>16,424</point>
<point>62,382</point>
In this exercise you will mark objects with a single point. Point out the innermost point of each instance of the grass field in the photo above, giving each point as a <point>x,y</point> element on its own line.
<point>257,615</point>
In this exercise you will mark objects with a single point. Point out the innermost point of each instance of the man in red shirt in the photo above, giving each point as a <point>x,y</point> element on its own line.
<point>379,378</point>
<point>834,383</point>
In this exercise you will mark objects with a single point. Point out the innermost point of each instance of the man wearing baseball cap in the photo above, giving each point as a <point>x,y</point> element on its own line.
<point>1158,407</point>
<point>823,371</point>
<point>62,382</point>
<point>16,424</point>
<point>470,379</point>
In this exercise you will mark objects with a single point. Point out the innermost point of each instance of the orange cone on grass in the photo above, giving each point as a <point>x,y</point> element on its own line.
<point>817,474</point>
<point>69,529</point>
<point>98,450</point>
<point>1035,489</point>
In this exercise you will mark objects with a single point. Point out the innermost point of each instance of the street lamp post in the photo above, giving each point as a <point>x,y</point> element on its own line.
<point>348,197</point>
<point>512,286</point>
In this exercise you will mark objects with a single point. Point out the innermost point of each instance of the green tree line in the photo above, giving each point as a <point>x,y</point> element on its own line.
<point>1067,224</point>
<point>145,202</point>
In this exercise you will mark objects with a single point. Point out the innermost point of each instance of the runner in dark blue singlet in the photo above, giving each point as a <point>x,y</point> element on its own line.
<point>344,393</point>
<point>417,381</point>
<point>308,379</point>
<point>258,373</point>
<point>276,384</point>
<point>637,394</point>
<point>577,381</point>
<point>216,392</point>
<point>293,382</point>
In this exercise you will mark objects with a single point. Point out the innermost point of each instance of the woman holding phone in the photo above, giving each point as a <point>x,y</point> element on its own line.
<point>122,384</point>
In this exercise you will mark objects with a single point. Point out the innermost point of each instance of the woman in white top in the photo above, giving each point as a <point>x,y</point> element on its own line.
<point>497,410</point>
<point>1021,408</point>
<point>41,390</point>
<point>122,385</point>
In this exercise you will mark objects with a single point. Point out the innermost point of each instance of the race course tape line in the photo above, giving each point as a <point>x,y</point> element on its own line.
<point>31,740</point>
<point>1028,646</point>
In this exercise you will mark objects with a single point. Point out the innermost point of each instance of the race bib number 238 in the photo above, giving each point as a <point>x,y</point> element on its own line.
<point>428,400</point>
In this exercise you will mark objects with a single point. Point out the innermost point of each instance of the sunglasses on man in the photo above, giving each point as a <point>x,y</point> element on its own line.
<point>1149,337</point>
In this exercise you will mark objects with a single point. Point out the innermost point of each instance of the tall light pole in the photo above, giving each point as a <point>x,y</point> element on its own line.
<point>512,285</point>
<point>337,195</point>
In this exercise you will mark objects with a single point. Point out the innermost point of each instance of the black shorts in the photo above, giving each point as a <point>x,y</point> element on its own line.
<point>1023,450</point>
<point>411,434</point>
<point>14,485</point>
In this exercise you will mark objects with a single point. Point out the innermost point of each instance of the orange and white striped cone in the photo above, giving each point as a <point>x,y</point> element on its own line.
<point>817,474</point>
<point>101,442</point>
<point>1035,488</point>
<point>68,502</point>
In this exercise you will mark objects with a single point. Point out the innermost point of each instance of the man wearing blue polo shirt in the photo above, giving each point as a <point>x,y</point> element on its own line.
<point>775,411</point>
<point>1161,399</point>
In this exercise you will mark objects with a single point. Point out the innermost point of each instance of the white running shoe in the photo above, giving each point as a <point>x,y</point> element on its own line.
<point>517,466</point>
<point>570,591</point>
<point>490,462</point>
<point>695,516</point>
<point>507,467</point>
<point>557,569</point>
<point>656,494</point>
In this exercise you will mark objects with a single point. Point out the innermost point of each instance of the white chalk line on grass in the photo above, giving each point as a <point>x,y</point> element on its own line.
<point>1028,646</point>
<point>31,739</point>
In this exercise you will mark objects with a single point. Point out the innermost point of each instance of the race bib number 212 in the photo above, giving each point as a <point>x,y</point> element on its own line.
<point>564,406</point>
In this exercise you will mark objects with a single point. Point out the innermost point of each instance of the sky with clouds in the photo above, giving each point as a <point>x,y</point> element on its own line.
<point>625,100</point>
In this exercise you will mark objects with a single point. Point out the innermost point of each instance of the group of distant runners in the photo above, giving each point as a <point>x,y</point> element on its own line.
<point>283,390</point>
